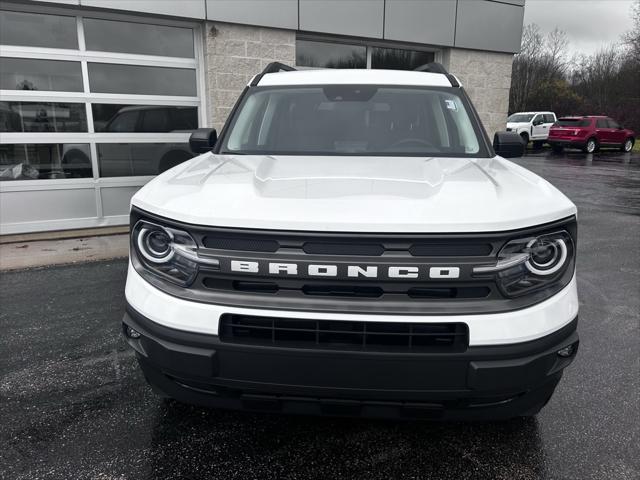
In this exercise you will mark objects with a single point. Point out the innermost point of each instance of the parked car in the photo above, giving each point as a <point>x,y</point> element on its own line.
<point>353,244</point>
<point>590,133</point>
<point>135,159</point>
<point>531,126</point>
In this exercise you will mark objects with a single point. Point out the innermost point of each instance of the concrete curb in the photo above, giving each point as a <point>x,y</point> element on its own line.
<point>23,255</point>
<point>62,234</point>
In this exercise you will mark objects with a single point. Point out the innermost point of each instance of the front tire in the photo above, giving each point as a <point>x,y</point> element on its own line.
<point>627,146</point>
<point>591,146</point>
<point>525,139</point>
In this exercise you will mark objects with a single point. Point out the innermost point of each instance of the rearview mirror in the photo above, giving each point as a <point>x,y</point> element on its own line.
<point>508,144</point>
<point>203,140</point>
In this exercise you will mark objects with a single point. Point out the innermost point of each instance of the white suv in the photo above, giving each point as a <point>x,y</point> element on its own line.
<point>353,244</point>
<point>532,126</point>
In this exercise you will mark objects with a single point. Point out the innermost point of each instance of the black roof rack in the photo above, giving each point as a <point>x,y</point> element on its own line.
<point>435,67</point>
<point>273,67</point>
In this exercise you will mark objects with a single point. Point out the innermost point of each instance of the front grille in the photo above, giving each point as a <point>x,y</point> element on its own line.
<point>344,335</point>
<point>351,245</point>
<point>323,289</point>
<point>361,280</point>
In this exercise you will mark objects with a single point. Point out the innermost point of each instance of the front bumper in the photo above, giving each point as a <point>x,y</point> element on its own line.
<point>482,382</point>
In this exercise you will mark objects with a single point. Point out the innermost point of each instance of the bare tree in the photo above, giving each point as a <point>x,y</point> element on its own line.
<point>606,82</point>
<point>541,60</point>
<point>594,77</point>
<point>632,38</point>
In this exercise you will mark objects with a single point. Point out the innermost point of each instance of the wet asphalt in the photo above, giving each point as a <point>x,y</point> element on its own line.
<point>73,404</point>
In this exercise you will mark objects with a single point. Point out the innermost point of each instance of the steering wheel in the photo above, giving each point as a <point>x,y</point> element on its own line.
<point>408,141</point>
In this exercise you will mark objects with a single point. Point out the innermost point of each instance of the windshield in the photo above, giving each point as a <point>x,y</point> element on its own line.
<point>520,118</point>
<point>571,122</point>
<point>353,120</point>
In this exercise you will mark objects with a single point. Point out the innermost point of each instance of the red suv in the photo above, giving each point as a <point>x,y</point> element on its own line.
<point>589,134</point>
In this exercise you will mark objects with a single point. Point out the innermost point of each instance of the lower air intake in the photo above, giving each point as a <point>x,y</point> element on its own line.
<point>344,335</point>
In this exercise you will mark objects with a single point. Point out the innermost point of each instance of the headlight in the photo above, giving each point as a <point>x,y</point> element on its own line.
<point>166,252</point>
<point>533,263</point>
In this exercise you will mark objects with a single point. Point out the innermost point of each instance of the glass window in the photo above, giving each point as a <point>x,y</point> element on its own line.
<point>520,118</point>
<point>38,161</point>
<point>42,117</point>
<point>143,118</point>
<point>31,74</point>
<point>140,38</point>
<point>353,120</point>
<point>602,123</point>
<point>330,55</point>
<point>140,159</point>
<point>399,58</point>
<point>612,123</point>
<point>37,30</point>
<point>573,122</point>
<point>548,118</point>
<point>141,80</point>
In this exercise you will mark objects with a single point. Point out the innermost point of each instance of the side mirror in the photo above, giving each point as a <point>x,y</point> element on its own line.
<point>537,122</point>
<point>203,140</point>
<point>508,144</point>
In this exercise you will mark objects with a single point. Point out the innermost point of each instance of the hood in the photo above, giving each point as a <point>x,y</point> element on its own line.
<point>354,194</point>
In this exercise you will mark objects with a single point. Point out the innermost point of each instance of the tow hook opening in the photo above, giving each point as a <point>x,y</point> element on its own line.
<point>132,333</point>
<point>568,351</point>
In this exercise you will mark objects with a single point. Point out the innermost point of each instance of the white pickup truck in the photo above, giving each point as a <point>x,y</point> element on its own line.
<point>532,126</point>
<point>353,244</point>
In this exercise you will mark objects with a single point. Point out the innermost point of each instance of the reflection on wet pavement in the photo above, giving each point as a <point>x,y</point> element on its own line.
<point>74,404</point>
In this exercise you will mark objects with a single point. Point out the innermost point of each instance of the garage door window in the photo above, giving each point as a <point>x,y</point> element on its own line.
<point>38,30</point>
<point>141,80</point>
<point>30,74</point>
<point>42,117</point>
<point>138,38</point>
<point>109,117</point>
<point>44,161</point>
<point>95,97</point>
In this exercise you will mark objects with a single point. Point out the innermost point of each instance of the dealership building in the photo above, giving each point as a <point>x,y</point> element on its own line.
<point>98,96</point>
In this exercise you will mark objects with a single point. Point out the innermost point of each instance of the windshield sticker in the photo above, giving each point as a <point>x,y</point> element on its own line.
<point>451,105</point>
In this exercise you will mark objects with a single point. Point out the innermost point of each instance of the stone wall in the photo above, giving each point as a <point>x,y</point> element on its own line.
<point>486,76</point>
<point>234,54</point>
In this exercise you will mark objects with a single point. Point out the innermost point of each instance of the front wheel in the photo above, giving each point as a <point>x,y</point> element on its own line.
<point>627,146</point>
<point>591,146</point>
<point>525,139</point>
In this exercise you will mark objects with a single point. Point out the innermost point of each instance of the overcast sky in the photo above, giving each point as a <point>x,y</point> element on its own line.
<point>590,24</point>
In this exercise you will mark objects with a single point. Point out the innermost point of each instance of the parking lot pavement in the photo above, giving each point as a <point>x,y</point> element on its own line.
<point>73,404</point>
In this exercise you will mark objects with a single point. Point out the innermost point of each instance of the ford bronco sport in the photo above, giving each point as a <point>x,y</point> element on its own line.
<point>353,244</point>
